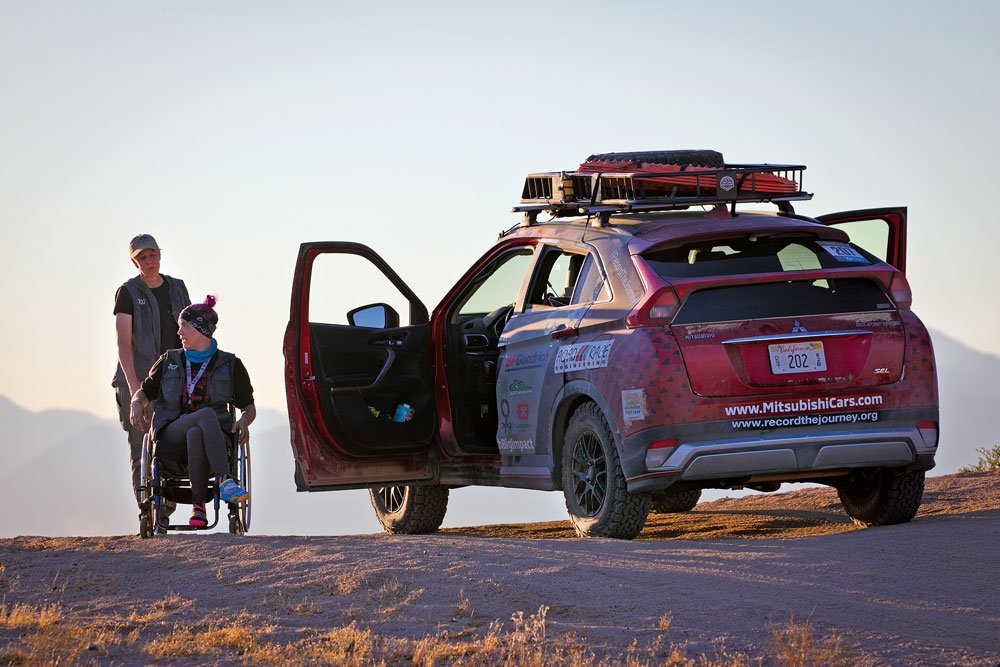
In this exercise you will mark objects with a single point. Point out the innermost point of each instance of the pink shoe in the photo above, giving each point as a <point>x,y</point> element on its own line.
<point>198,517</point>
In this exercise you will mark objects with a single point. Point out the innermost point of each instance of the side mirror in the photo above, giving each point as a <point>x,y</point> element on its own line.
<point>374,316</point>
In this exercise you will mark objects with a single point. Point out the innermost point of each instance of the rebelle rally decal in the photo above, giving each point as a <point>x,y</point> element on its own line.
<point>583,356</point>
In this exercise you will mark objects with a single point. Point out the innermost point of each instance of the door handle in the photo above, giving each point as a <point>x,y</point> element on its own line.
<point>562,331</point>
<point>392,340</point>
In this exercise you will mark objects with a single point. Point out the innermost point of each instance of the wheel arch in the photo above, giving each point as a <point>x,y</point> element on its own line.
<point>574,394</point>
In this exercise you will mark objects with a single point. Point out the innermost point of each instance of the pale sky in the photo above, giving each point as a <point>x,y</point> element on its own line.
<point>233,131</point>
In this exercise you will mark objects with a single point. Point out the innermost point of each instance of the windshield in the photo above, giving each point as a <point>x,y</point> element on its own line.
<point>752,254</point>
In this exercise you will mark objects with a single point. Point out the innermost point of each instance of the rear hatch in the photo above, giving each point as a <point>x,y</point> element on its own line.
<point>766,314</point>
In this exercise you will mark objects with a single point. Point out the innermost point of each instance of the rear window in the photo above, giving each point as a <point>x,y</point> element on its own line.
<point>793,298</point>
<point>750,254</point>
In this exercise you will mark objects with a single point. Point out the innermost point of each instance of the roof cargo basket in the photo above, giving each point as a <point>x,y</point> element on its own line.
<point>605,187</point>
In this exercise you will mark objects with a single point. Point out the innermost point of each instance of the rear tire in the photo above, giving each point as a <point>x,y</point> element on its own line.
<point>597,498</point>
<point>697,158</point>
<point>883,497</point>
<point>410,510</point>
<point>667,502</point>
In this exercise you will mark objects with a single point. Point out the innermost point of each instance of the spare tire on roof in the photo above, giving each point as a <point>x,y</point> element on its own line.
<point>697,158</point>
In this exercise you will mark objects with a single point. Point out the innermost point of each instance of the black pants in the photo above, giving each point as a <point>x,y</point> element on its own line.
<point>197,440</point>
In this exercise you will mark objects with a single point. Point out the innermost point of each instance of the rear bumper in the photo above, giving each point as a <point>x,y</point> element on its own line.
<point>774,458</point>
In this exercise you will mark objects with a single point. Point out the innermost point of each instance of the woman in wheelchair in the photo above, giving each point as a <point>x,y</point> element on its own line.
<point>190,391</point>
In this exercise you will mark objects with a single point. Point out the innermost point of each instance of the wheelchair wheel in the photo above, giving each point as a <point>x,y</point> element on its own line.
<point>239,523</point>
<point>146,528</point>
<point>147,520</point>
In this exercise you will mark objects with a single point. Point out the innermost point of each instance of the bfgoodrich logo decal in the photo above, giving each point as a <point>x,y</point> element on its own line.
<point>583,356</point>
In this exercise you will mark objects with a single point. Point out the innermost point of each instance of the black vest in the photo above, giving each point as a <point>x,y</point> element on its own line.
<point>220,389</point>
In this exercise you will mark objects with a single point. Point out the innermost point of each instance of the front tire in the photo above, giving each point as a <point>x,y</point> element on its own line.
<point>882,497</point>
<point>410,510</point>
<point>670,502</point>
<point>597,498</point>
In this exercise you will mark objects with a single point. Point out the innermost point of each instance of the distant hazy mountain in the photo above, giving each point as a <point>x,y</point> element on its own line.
<point>969,385</point>
<point>66,473</point>
<point>25,434</point>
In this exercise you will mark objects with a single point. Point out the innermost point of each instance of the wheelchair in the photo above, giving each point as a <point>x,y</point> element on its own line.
<point>167,480</point>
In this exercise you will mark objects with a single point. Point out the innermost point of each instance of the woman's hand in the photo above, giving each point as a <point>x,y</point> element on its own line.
<point>242,426</point>
<point>242,431</point>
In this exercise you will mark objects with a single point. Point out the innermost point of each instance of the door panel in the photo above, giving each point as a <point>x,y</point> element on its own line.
<point>880,231</point>
<point>344,383</point>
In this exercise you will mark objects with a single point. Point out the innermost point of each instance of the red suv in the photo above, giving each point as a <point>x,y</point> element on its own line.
<point>645,341</point>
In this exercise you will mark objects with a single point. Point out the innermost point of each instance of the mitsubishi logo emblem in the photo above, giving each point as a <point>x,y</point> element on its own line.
<point>798,328</point>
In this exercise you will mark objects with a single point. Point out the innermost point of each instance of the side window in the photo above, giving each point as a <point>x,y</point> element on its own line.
<point>342,284</point>
<point>590,286</point>
<point>555,279</point>
<point>499,288</point>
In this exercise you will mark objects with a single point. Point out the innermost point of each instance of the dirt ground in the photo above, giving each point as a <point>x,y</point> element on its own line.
<point>723,575</point>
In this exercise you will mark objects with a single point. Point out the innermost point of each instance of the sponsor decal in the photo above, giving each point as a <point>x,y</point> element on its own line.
<point>519,388</point>
<point>634,404</point>
<point>583,356</point>
<point>727,183</point>
<point>505,413</point>
<point>623,277</point>
<point>520,361</point>
<point>803,405</point>
<point>843,252</point>
<point>512,445</point>
<point>874,324</point>
<point>523,411</point>
<point>807,420</point>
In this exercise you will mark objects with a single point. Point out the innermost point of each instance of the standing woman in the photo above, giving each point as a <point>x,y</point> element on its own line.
<point>146,310</point>
<point>191,390</point>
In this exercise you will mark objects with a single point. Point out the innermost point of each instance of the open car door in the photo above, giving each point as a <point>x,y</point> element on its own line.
<point>880,231</point>
<point>357,379</point>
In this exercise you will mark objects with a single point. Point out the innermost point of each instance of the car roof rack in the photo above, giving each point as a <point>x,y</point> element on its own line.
<point>657,188</point>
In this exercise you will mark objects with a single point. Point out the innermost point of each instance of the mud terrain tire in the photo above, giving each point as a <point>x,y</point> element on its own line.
<point>410,510</point>
<point>597,499</point>
<point>884,498</point>
<point>667,502</point>
<point>697,158</point>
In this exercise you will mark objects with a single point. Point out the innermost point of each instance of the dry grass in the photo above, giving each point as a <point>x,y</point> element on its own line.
<point>795,645</point>
<point>524,640</point>
<point>392,596</point>
<point>160,610</point>
<point>241,635</point>
<point>29,616</point>
<point>79,579</point>
<point>464,612</point>
<point>9,581</point>
<point>290,600</point>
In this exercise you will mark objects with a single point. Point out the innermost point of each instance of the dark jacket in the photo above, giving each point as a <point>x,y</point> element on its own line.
<point>220,389</point>
<point>146,324</point>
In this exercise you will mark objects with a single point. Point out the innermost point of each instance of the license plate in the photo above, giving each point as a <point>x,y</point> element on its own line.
<point>788,358</point>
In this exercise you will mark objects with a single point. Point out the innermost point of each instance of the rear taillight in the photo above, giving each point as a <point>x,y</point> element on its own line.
<point>660,451</point>
<point>899,290</point>
<point>929,432</point>
<point>655,310</point>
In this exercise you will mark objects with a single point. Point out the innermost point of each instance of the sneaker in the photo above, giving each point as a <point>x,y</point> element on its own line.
<point>198,517</point>
<point>230,492</point>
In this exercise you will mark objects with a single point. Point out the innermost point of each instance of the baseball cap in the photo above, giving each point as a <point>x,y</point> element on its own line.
<point>140,243</point>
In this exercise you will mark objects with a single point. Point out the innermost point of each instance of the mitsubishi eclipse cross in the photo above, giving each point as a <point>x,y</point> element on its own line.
<point>639,336</point>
